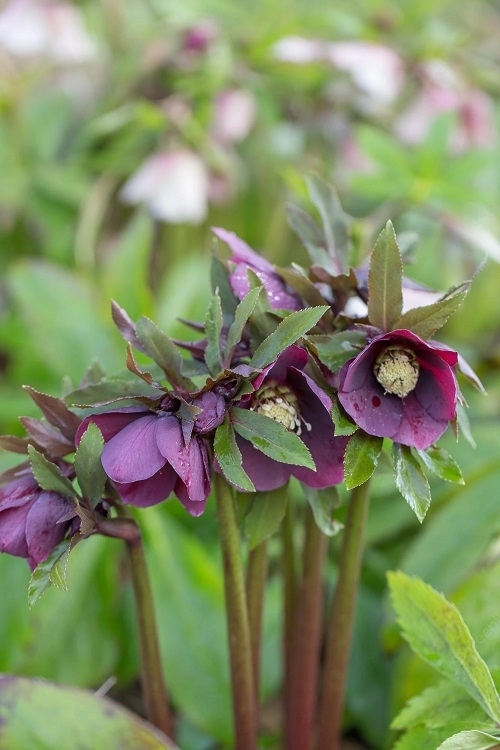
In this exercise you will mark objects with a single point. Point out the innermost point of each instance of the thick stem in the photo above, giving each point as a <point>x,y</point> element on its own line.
<point>240,654</point>
<point>289,600</point>
<point>306,642</point>
<point>153,684</point>
<point>341,621</point>
<point>256,582</point>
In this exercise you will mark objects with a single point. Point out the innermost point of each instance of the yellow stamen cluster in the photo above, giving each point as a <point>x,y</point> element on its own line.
<point>280,403</point>
<point>396,369</point>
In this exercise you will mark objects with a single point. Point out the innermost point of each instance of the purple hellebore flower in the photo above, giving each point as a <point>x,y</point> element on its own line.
<point>33,521</point>
<point>284,392</point>
<point>149,454</point>
<point>244,258</point>
<point>401,387</point>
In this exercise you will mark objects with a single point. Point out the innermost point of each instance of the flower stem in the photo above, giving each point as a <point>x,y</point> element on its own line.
<point>302,695</point>
<point>255,586</point>
<point>340,628</point>
<point>153,684</point>
<point>289,601</point>
<point>240,653</point>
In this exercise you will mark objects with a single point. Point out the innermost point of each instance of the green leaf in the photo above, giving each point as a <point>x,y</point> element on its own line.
<point>89,471</point>
<point>219,276</point>
<point>264,517</point>
<point>342,421</point>
<point>241,316</point>
<point>471,740</point>
<point>271,437</point>
<point>213,329</point>
<point>440,705</point>
<point>435,630</point>
<point>229,457</point>
<point>441,464</point>
<point>55,412</point>
<point>48,475</point>
<point>288,331</point>
<point>163,351</point>
<point>323,504</point>
<point>50,572</point>
<point>310,235</point>
<point>333,219</point>
<point>385,277</point>
<point>361,458</point>
<point>337,349</point>
<point>411,480</point>
<point>38,715</point>
<point>425,321</point>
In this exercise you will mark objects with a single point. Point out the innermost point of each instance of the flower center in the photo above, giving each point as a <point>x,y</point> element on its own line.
<point>280,403</point>
<point>396,369</point>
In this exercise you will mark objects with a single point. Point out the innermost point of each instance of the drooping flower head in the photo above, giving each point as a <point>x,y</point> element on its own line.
<point>401,387</point>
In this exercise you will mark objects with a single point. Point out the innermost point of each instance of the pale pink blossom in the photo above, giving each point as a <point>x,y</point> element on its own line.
<point>174,186</point>
<point>234,115</point>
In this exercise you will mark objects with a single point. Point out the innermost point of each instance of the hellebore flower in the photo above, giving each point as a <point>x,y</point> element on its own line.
<point>401,387</point>
<point>33,521</point>
<point>244,259</point>
<point>285,393</point>
<point>149,454</point>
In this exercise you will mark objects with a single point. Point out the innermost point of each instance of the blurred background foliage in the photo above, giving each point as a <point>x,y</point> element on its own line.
<point>127,130</point>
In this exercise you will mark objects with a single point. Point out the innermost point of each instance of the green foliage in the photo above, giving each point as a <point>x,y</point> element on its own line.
<point>361,458</point>
<point>385,278</point>
<point>288,332</point>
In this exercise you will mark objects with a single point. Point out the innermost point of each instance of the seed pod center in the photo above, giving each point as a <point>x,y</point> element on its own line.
<point>280,403</point>
<point>396,369</point>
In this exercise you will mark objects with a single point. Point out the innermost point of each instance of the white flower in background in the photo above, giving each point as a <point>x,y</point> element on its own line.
<point>443,91</point>
<point>173,185</point>
<point>51,30</point>
<point>234,115</point>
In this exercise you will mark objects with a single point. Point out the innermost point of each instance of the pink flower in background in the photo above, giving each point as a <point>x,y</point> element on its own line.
<point>174,186</point>
<point>234,115</point>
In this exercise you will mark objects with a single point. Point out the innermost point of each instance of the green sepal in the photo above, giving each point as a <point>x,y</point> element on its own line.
<point>163,351</point>
<point>425,321</point>
<point>271,437</point>
<point>441,464</point>
<point>228,456</point>
<point>49,476</point>
<point>336,349</point>
<point>287,332</point>
<point>323,503</point>
<point>88,467</point>
<point>51,572</point>
<point>411,480</point>
<point>265,515</point>
<point>213,330</point>
<point>437,633</point>
<point>361,458</point>
<point>385,279</point>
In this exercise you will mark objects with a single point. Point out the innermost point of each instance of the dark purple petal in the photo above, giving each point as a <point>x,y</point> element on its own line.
<point>189,461</point>
<point>193,507</point>
<point>12,531</point>
<point>149,491</point>
<point>46,524</point>
<point>132,454</point>
<point>110,423</point>
<point>265,473</point>
<point>243,253</point>
<point>18,492</point>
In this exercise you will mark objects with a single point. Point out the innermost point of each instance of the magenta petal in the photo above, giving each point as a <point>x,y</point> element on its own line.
<point>18,492</point>
<point>110,423</point>
<point>189,461</point>
<point>45,524</point>
<point>417,427</point>
<point>12,532</point>
<point>193,507</point>
<point>149,491</point>
<point>243,253</point>
<point>265,473</point>
<point>132,454</point>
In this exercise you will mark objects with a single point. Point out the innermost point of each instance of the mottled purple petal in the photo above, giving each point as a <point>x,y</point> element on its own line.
<point>149,491</point>
<point>132,454</point>
<point>112,422</point>
<point>265,473</point>
<point>243,253</point>
<point>46,524</point>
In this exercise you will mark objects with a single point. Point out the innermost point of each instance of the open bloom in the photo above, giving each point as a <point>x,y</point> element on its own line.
<point>245,259</point>
<point>401,387</point>
<point>285,393</point>
<point>150,453</point>
<point>33,521</point>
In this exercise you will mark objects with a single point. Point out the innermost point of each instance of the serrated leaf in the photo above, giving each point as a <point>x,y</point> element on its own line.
<point>435,630</point>
<point>333,220</point>
<point>441,464</point>
<point>89,471</point>
<point>310,235</point>
<point>425,321</point>
<point>385,278</point>
<point>323,504</point>
<point>50,572</point>
<point>213,329</point>
<point>264,517</point>
<point>45,436</point>
<point>440,705</point>
<point>361,458</point>
<point>271,437</point>
<point>337,349</point>
<point>163,351</point>
<point>228,456</point>
<point>471,740</point>
<point>344,426</point>
<point>219,276</point>
<point>288,331</point>
<point>296,278</point>
<point>56,412</point>
<point>14,443</point>
<point>241,316</point>
<point>48,475</point>
<point>411,480</point>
